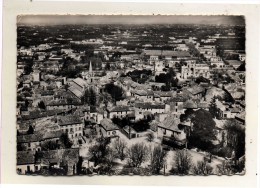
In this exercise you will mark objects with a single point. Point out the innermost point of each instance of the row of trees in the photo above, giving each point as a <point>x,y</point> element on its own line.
<point>135,156</point>
<point>141,158</point>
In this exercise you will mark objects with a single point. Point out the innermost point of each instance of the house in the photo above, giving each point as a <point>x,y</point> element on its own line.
<point>26,162</point>
<point>38,115</point>
<point>234,63</point>
<point>240,117</point>
<point>217,62</point>
<point>162,96</point>
<point>72,125</point>
<point>29,142</point>
<point>33,142</point>
<point>226,111</point>
<point>62,104</point>
<point>108,128</point>
<point>155,55</point>
<point>119,111</point>
<point>159,67</point>
<point>194,92</point>
<point>175,105</point>
<point>36,75</point>
<point>170,129</point>
<point>194,69</point>
<point>90,114</point>
<point>63,159</point>
<point>195,104</point>
<point>77,87</point>
<point>143,95</point>
<point>145,109</point>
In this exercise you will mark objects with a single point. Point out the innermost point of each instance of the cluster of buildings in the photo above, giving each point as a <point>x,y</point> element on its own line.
<point>54,105</point>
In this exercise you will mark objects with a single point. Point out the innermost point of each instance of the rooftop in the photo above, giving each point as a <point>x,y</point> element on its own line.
<point>69,120</point>
<point>170,123</point>
<point>108,125</point>
<point>25,157</point>
<point>167,53</point>
<point>119,109</point>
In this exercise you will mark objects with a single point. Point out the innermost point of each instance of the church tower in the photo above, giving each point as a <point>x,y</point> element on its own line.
<point>90,72</point>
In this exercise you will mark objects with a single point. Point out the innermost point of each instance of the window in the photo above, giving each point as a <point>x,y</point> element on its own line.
<point>36,168</point>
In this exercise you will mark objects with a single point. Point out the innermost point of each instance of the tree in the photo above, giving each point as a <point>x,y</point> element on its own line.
<point>107,165</point>
<point>92,100</point>
<point>213,108</point>
<point>182,163</point>
<point>202,168</point>
<point>202,133</point>
<point>42,105</point>
<point>79,165</point>
<point>107,67</point>
<point>89,97</point>
<point>137,154</point>
<point>30,130</point>
<point>242,67</point>
<point>171,72</point>
<point>119,146</point>
<point>157,159</point>
<point>99,150</point>
<point>150,137</point>
<point>235,137</point>
<point>65,141</point>
<point>116,92</point>
<point>224,168</point>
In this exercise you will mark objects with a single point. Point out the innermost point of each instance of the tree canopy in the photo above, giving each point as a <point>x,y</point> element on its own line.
<point>115,91</point>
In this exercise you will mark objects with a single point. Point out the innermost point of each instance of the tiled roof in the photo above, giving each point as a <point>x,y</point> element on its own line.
<point>76,92</point>
<point>47,92</point>
<point>80,82</point>
<point>140,92</point>
<point>52,134</point>
<point>170,123</point>
<point>25,157</point>
<point>190,104</point>
<point>178,98</point>
<point>195,89</point>
<point>149,106</point>
<point>28,138</point>
<point>234,110</point>
<point>62,102</point>
<point>119,109</point>
<point>163,93</point>
<point>108,125</point>
<point>241,115</point>
<point>39,114</point>
<point>167,53</point>
<point>69,120</point>
<point>39,136</point>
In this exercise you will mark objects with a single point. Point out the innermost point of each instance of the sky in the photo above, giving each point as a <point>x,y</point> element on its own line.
<point>117,19</point>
